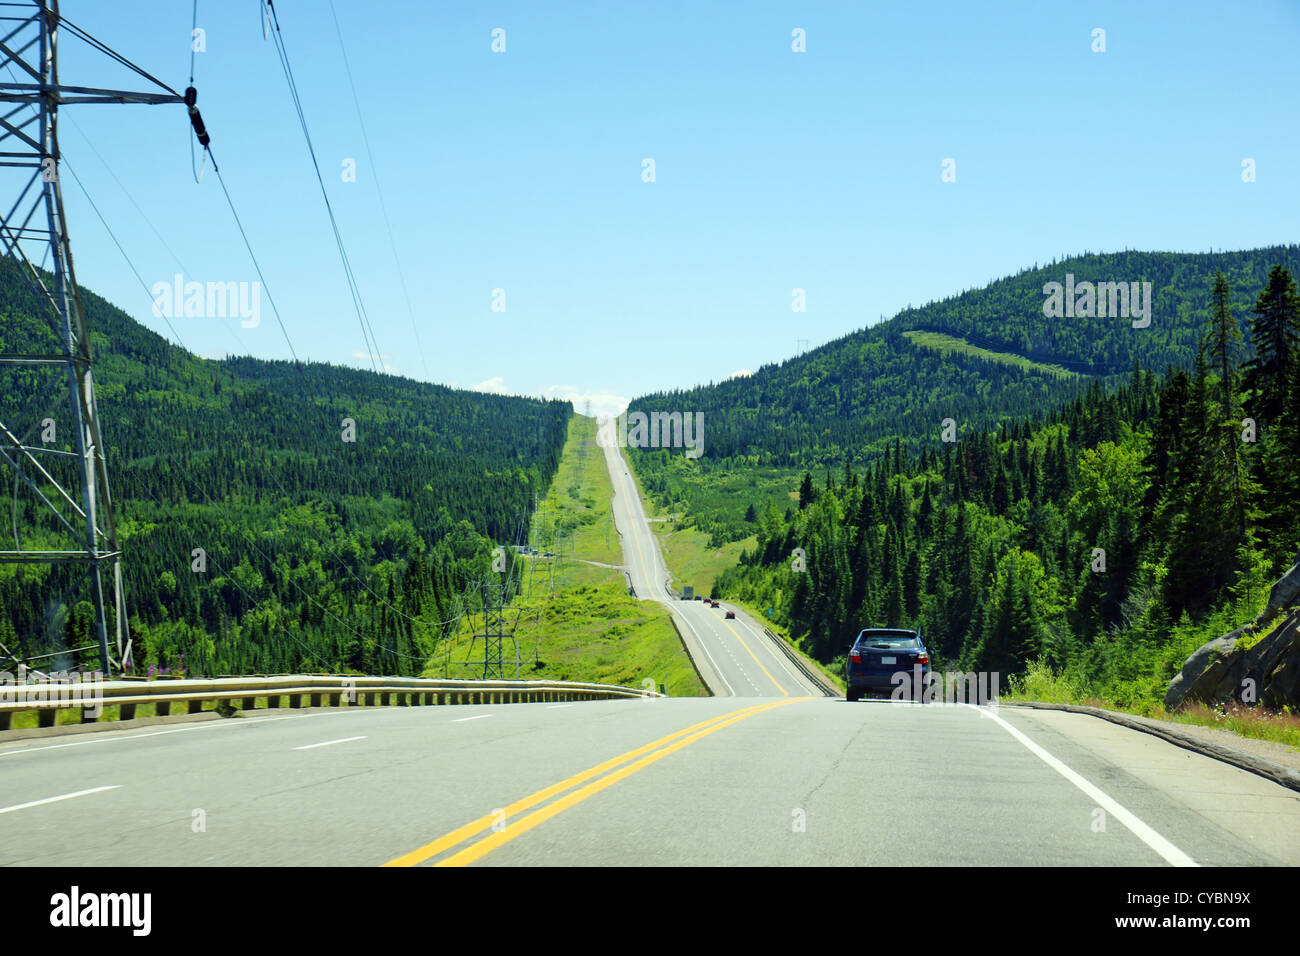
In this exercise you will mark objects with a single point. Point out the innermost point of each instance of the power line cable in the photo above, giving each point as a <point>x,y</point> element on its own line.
<point>363,317</point>
<point>374,171</point>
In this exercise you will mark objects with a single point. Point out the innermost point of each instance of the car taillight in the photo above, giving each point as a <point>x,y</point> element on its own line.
<point>856,656</point>
<point>923,658</point>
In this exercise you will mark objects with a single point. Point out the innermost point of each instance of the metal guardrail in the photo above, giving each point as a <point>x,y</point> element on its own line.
<point>818,679</point>
<point>93,696</point>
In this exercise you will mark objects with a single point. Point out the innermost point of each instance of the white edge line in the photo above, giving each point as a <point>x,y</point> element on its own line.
<point>341,740</point>
<point>1141,830</point>
<point>800,682</point>
<point>65,796</point>
<point>461,720</point>
<point>551,707</point>
<point>716,669</point>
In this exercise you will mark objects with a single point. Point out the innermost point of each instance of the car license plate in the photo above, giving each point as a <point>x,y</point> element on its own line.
<point>889,660</point>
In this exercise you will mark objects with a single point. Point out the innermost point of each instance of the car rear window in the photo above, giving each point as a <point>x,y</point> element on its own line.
<point>887,639</point>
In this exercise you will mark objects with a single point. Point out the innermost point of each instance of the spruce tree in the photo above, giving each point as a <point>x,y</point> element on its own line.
<point>1275,333</point>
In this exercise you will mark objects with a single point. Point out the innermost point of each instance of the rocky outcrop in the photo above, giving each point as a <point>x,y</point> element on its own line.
<point>1266,673</point>
<point>1285,594</point>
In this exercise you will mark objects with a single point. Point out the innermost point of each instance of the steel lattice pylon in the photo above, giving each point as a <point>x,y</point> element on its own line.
<point>71,486</point>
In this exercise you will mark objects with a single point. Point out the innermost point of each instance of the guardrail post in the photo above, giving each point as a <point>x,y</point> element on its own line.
<point>196,707</point>
<point>85,719</point>
<point>45,717</point>
<point>384,697</point>
<point>248,703</point>
<point>162,708</point>
<point>295,701</point>
<point>370,698</point>
<point>273,700</point>
<point>315,700</point>
<point>4,719</point>
<point>336,700</point>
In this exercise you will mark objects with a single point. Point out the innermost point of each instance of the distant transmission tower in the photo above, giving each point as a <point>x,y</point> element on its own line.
<point>70,487</point>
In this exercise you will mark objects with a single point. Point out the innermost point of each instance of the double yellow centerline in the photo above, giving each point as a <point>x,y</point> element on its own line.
<point>612,770</point>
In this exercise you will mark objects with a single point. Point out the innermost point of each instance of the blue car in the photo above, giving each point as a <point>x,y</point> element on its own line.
<point>880,653</point>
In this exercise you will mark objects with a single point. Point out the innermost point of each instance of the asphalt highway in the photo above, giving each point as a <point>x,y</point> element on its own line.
<point>688,781</point>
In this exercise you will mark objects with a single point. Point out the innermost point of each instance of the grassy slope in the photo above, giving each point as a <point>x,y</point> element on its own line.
<point>588,628</point>
<point>944,344</point>
<point>578,505</point>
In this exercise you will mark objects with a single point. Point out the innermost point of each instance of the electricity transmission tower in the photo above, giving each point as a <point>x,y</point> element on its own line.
<point>69,517</point>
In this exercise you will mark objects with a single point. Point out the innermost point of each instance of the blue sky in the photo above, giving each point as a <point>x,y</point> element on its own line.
<point>774,170</point>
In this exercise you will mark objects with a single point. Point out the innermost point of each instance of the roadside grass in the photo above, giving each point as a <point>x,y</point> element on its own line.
<point>1284,728</point>
<point>1042,683</point>
<point>948,343</point>
<point>577,507</point>
<point>596,633</point>
<point>578,622</point>
<point>691,561</point>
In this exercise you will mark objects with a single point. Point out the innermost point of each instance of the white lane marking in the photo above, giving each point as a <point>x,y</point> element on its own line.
<point>65,796</point>
<point>705,648</point>
<point>341,740</point>
<point>1146,834</point>
<point>109,737</point>
<point>551,707</point>
<point>800,682</point>
<point>461,720</point>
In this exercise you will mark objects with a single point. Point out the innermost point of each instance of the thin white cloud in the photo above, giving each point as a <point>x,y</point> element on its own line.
<point>740,373</point>
<point>603,403</point>
<point>495,385</point>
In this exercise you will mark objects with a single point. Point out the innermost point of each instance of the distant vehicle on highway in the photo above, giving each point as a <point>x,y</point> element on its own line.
<point>877,655</point>
<point>713,603</point>
<point>731,615</point>
<point>699,597</point>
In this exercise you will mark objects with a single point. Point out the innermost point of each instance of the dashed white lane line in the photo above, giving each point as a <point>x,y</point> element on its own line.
<point>800,683</point>
<point>1141,830</point>
<point>62,796</point>
<point>328,743</point>
<point>113,736</point>
<point>461,720</point>
<point>705,648</point>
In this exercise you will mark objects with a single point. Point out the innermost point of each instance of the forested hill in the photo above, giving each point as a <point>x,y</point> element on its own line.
<point>838,401</point>
<point>322,551</point>
<point>1107,540</point>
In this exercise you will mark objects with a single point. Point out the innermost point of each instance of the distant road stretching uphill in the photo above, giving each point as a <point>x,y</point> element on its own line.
<point>735,658</point>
